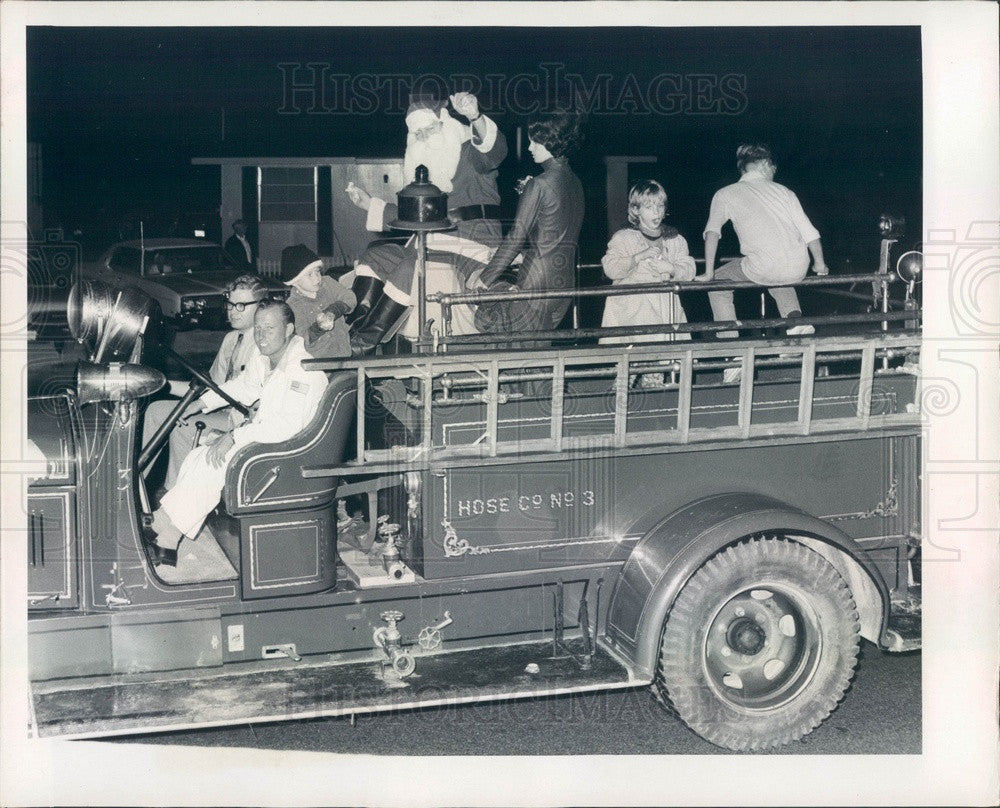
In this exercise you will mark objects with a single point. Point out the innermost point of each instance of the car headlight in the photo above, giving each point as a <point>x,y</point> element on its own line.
<point>193,304</point>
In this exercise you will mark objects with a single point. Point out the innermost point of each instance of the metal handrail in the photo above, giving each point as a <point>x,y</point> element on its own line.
<point>452,299</point>
<point>447,300</point>
<point>679,328</point>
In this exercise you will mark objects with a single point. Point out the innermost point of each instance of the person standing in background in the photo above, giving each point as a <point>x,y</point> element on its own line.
<point>238,248</point>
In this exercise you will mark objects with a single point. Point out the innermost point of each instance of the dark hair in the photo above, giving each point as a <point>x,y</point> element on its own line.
<point>280,305</point>
<point>559,132</point>
<point>250,282</point>
<point>749,153</point>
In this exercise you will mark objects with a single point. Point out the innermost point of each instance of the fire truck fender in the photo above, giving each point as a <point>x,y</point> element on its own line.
<point>672,551</point>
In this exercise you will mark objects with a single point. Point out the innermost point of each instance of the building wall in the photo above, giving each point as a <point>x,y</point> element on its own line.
<point>382,178</point>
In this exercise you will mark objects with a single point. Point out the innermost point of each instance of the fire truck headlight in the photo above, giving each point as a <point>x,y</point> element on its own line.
<point>116,382</point>
<point>891,226</point>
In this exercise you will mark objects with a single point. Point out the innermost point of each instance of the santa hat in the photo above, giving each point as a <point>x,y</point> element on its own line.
<point>295,260</point>
<point>422,112</point>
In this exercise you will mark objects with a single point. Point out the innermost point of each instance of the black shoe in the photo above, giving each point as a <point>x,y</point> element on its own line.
<point>161,555</point>
<point>365,338</point>
<point>146,532</point>
<point>367,290</point>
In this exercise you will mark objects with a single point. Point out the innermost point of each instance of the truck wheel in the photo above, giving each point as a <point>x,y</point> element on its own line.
<point>759,646</point>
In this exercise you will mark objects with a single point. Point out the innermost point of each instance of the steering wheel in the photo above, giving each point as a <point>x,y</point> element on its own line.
<point>198,383</point>
<point>207,382</point>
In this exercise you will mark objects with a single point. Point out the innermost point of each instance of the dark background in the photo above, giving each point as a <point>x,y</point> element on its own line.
<point>119,113</point>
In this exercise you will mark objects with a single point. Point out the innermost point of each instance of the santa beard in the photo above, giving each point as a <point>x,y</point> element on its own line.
<point>440,153</point>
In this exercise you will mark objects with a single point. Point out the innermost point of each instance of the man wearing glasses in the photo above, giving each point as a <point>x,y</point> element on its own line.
<point>243,295</point>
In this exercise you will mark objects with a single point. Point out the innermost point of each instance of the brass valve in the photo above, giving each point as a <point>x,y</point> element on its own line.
<point>398,661</point>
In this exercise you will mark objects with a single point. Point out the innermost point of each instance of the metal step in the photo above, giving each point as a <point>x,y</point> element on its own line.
<point>282,690</point>
<point>904,630</point>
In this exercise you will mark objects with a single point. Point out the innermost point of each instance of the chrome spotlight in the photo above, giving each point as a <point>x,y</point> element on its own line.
<point>87,310</point>
<point>910,266</point>
<point>106,321</point>
<point>116,382</point>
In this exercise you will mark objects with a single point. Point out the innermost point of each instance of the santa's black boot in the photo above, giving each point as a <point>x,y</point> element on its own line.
<point>367,290</point>
<point>382,319</point>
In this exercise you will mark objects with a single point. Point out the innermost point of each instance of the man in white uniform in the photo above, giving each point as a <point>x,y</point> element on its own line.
<point>288,398</point>
<point>238,348</point>
<point>776,237</point>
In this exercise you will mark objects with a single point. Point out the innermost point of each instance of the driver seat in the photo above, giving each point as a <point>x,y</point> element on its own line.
<point>266,500</point>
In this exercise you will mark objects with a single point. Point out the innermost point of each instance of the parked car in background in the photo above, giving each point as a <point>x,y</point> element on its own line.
<point>185,277</point>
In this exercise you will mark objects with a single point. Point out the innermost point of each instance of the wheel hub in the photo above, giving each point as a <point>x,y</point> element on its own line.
<point>745,636</point>
<point>759,648</point>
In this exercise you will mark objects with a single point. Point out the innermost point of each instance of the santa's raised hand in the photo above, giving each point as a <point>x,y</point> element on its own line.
<point>465,104</point>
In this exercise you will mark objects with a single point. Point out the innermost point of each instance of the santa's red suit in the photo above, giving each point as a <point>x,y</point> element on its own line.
<point>473,206</point>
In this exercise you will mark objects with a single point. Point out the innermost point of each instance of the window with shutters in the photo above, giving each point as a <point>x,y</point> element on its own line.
<point>287,194</point>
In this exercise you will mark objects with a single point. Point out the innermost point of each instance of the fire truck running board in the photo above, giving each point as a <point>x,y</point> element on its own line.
<point>260,693</point>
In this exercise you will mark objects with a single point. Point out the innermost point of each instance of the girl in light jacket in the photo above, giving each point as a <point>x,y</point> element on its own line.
<point>647,251</point>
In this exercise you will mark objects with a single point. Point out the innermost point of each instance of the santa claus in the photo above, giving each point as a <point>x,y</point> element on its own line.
<point>462,158</point>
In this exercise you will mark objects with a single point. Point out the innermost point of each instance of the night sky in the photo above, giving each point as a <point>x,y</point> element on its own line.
<point>119,113</point>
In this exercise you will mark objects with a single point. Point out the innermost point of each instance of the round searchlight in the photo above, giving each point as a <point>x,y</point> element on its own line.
<point>910,266</point>
<point>108,322</point>
<point>88,308</point>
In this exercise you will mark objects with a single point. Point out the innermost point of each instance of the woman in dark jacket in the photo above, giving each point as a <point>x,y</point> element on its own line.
<point>546,229</point>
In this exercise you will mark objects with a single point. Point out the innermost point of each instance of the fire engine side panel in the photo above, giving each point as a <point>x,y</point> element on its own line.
<point>591,509</point>
<point>52,525</point>
<point>344,624</point>
<point>52,562</point>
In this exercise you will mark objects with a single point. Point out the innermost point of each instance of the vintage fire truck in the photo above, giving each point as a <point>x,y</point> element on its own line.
<point>539,522</point>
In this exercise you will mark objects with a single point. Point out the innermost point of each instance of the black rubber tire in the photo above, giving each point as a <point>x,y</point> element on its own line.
<point>759,646</point>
